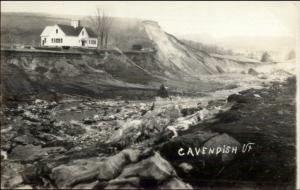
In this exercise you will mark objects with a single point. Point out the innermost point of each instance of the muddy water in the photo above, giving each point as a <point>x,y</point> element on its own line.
<point>242,84</point>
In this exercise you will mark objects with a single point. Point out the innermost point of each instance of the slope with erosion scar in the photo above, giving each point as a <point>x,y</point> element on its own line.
<point>181,59</point>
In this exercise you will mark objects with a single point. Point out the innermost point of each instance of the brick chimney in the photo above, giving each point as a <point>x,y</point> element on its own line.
<point>75,23</point>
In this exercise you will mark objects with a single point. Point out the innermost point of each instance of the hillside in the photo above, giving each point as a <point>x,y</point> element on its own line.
<point>252,46</point>
<point>186,61</point>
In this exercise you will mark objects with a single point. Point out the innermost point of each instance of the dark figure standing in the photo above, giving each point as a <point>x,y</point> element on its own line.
<point>162,92</point>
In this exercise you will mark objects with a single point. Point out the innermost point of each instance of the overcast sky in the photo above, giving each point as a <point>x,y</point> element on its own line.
<point>218,19</point>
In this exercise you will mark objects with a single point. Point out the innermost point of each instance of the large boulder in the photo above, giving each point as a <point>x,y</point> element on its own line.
<point>113,166</point>
<point>219,142</point>
<point>147,173</point>
<point>64,175</point>
<point>193,150</point>
<point>27,153</point>
<point>89,170</point>
<point>155,168</point>
<point>196,139</point>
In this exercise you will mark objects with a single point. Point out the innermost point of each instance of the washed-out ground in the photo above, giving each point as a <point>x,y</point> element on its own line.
<point>81,142</point>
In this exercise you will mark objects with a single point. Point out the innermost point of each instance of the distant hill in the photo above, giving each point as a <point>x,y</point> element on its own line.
<point>278,47</point>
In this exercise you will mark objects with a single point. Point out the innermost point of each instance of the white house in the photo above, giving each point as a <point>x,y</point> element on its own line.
<point>72,35</point>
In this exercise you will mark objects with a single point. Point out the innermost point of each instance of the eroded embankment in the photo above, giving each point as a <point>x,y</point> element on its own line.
<point>44,73</point>
<point>105,75</point>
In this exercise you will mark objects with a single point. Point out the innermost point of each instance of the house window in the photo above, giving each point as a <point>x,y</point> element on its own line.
<point>82,32</point>
<point>92,42</point>
<point>61,40</point>
<point>56,31</point>
<point>45,40</point>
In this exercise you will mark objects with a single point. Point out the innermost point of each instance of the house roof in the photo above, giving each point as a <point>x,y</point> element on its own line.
<point>91,32</point>
<point>47,30</point>
<point>71,31</point>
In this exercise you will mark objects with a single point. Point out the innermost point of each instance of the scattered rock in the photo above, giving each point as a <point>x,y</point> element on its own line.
<point>212,104</point>
<point>54,150</point>
<point>238,98</point>
<point>91,185</point>
<point>175,183</point>
<point>262,76</point>
<point>11,174</point>
<point>256,95</point>
<point>219,69</point>
<point>188,111</point>
<point>30,117</point>
<point>127,183</point>
<point>96,117</point>
<point>253,72</point>
<point>23,187</point>
<point>50,137</point>
<point>3,155</point>
<point>38,101</point>
<point>186,168</point>
<point>231,86</point>
<point>26,139</point>
<point>88,121</point>
<point>36,173</point>
<point>229,116</point>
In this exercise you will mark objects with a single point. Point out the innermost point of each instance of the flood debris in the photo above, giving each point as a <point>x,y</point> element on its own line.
<point>92,143</point>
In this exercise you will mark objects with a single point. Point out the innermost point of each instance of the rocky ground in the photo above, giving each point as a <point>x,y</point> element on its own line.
<point>90,143</point>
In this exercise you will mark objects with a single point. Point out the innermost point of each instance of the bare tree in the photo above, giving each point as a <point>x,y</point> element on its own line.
<point>101,23</point>
<point>291,55</point>
<point>8,40</point>
<point>265,57</point>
